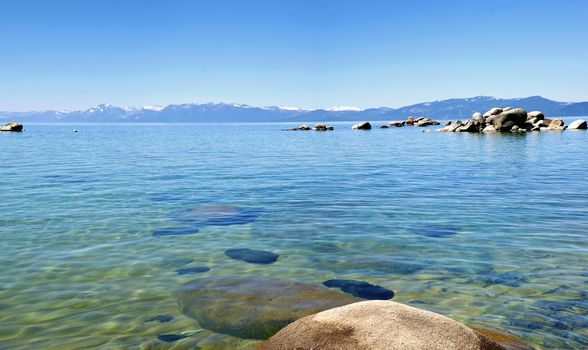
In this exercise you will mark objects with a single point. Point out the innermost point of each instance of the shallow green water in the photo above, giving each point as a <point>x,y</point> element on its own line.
<point>82,269</point>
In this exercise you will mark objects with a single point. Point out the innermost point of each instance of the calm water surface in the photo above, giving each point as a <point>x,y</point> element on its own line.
<point>81,268</point>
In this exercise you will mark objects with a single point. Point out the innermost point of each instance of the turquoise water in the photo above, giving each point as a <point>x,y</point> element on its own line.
<point>82,269</point>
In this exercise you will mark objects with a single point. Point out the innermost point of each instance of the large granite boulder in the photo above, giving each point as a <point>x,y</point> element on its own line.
<point>426,122</point>
<point>535,114</point>
<point>397,123</point>
<point>379,325</point>
<point>507,119</point>
<point>579,124</point>
<point>493,111</point>
<point>362,126</point>
<point>12,127</point>
<point>254,307</point>
<point>557,124</point>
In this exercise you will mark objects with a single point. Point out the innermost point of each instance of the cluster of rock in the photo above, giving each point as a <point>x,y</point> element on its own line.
<point>510,120</point>
<point>420,121</point>
<point>12,127</point>
<point>317,127</point>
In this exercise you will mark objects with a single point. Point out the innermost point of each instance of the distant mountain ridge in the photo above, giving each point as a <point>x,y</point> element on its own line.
<point>224,112</point>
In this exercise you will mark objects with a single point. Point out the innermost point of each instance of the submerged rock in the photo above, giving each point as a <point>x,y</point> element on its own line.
<point>170,338</point>
<point>160,318</point>
<point>189,270</point>
<point>252,256</point>
<point>362,126</point>
<point>433,230</point>
<point>216,215</point>
<point>378,325</point>
<point>507,341</point>
<point>17,127</point>
<point>175,231</point>
<point>361,289</point>
<point>579,124</point>
<point>254,307</point>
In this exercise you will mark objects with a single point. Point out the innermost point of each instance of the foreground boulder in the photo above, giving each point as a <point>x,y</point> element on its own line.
<point>12,127</point>
<point>379,325</point>
<point>579,124</point>
<point>362,126</point>
<point>254,307</point>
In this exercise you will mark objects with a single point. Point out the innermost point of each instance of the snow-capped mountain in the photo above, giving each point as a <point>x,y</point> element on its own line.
<point>234,112</point>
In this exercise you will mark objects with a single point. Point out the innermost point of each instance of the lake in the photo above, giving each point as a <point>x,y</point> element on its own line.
<point>490,230</point>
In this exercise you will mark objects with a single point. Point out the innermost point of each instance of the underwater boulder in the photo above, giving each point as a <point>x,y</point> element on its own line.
<point>254,307</point>
<point>360,289</point>
<point>252,256</point>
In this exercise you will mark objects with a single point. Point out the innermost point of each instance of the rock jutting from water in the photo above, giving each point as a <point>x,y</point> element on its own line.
<point>510,120</point>
<point>362,126</point>
<point>322,127</point>
<point>579,124</point>
<point>361,289</point>
<point>382,325</point>
<point>254,307</point>
<point>252,256</point>
<point>15,127</point>
<point>302,127</point>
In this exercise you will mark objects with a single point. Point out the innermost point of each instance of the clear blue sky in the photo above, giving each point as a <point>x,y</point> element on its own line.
<point>76,54</point>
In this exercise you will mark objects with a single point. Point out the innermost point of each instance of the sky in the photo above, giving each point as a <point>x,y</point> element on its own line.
<point>76,54</point>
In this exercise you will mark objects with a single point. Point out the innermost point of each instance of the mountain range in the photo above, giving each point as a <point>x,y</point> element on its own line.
<point>224,112</point>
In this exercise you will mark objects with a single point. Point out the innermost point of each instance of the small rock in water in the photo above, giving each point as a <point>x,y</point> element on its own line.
<point>170,338</point>
<point>160,318</point>
<point>188,270</point>
<point>175,231</point>
<point>433,230</point>
<point>251,255</point>
<point>361,289</point>
<point>362,126</point>
<point>579,124</point>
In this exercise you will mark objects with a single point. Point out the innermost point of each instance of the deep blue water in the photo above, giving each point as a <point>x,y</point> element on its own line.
<point>96,225</point>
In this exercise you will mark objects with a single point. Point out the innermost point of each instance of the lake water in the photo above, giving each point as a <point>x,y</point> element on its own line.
<point>490,230</point>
